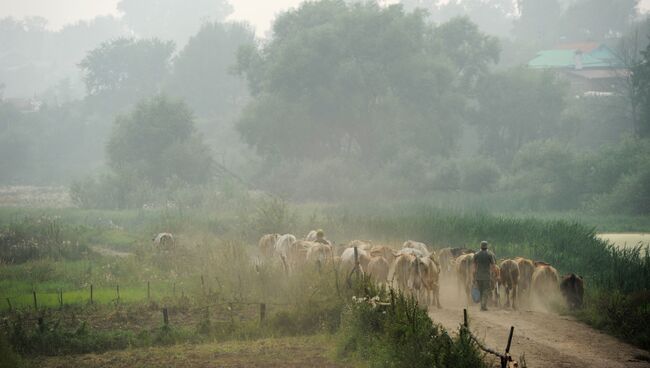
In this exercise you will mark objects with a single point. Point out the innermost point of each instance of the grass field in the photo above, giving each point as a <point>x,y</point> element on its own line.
<point>215,263</point>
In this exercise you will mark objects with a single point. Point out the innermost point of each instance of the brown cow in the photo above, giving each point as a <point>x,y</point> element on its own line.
<point>464,273</point>
<point>573,289</point>
<point>297,253</point>
<point>267,244</point>
<point>381,250</point>
<point>319,254</point>
<point>546,281</point>
<point>509,278</point>
<point>423,281</point>
<point>447,256</point>
<point>526,269</point>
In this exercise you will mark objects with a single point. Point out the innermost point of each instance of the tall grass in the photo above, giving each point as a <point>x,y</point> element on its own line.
<point>570,246</point>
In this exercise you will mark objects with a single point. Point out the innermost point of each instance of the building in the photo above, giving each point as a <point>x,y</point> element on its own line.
<point>592,69</point>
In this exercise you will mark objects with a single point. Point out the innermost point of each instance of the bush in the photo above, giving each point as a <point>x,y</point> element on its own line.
<point>626,316</point>
<point>401,335</point>
<point>8,357</point>
<point>631,195</point>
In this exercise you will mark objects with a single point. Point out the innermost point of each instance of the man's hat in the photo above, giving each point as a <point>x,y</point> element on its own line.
<point>484,244</point>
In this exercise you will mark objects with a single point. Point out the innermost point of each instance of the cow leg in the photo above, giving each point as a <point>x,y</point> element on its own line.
<point>514,296</point>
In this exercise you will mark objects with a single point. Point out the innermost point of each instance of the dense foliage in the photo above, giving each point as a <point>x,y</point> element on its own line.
<point>401,335</point>
<point>360,81</point>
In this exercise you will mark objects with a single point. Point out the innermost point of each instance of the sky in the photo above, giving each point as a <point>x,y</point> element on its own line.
<point>60,12</point>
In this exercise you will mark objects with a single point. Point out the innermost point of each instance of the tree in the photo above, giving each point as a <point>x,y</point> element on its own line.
<point>126,70</point>
<point>157,142</point>
<point>202,71</point>
<point>641,87</point>
<point>470,51</point>
<point>538,20</point>
<point>171,19</point>
<point>515,107</point>
<point>491,16</point>
<point>356,80</point>
<point>597,19</point>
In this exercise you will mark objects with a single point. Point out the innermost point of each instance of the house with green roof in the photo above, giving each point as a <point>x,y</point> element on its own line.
<point>591,69</point>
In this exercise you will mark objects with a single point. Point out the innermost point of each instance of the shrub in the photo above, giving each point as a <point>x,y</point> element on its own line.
<point>624,315</point>
<point>401,334</point>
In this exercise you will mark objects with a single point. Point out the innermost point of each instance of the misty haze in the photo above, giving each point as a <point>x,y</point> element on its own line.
<point>331,183</point>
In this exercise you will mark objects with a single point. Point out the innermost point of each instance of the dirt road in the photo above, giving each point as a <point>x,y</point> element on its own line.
<point>546,339</point>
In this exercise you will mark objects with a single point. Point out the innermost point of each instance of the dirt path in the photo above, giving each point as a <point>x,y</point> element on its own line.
<point>546,339</point>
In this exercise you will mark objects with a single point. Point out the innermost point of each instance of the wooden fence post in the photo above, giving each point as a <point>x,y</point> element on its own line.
<point>91,293</point>
<point>35,303</point>
<point>148,291</point>
<point>202,285</point>
<point>165,316</point>
<point>512,329</point>
<point>9,302</point>
<point>118,293</point>
<point>61,298</point>
<point>465,318</point>
<point>262,313</point>
<point>356,263</point>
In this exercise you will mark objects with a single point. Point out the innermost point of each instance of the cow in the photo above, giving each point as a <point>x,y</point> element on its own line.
<point>423,281</point>
<point>464,272</point>
<point>420,247</point>
<point>378,268</point>
<point>526,269</point>
<point>447,257</point>
<point>320,254</point>
<point>164,241</point>
<point>347,260</point>
<point>360,244</point>
<point>399,272</point>
<point>297,252</point>
<point>573,289</point>
<point>381,250</point>
<point>311,236</point>
<point>545,283</point>
<point>282,247</point>
<point>509,279</point>
<point>267,244</point>
<point>413,252</point>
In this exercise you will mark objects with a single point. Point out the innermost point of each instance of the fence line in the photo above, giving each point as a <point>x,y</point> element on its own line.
<point>505,357</point>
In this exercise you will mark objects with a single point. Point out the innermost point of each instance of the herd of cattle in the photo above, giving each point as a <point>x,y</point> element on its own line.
<point>416,270</point>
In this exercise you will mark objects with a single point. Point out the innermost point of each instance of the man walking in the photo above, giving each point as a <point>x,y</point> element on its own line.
<point>484,265</point>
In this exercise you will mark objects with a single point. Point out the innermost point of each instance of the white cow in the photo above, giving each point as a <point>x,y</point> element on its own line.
<point>421,249</point>
<point>347,260</point>
<point>311,236</point>
<point>164,241</point>
<point>283,244</point>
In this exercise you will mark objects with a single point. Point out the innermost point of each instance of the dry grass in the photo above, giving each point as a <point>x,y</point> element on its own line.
<point>310,351</point>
